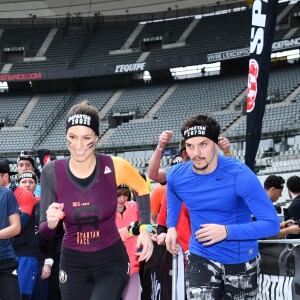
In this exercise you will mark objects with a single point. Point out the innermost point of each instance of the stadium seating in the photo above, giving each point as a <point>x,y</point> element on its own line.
<point>31,38</point>
<point>105,38</point>
<point>75,47</point>
<point>12,107</point>
<point>55,138</point>
<point>138,99</point>
<point>191,96</point>
<point>87,45</point>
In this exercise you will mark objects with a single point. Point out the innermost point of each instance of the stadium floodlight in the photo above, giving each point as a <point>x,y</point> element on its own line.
<point>146,76</point>
<point>3,87</point>
<point>288,54</point>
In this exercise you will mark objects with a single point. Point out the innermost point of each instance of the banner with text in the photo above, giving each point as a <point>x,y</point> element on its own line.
<point>279,277</point>
<point>156,280</point>
<point>243,52</point>
<point>264,14</point>
<point>280,271</point>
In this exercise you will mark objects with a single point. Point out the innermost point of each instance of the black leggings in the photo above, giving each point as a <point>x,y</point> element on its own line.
<point>109,286</point>
<point>93,276</point>
<point>9,284</point>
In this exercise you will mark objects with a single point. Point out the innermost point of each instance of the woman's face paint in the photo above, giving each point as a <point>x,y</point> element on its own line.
<point>81,142</point>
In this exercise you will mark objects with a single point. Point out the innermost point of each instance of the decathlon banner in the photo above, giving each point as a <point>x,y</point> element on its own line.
<point>264,14</point>
<point>280,270</point>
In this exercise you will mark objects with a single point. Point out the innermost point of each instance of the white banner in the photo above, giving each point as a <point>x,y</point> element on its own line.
<point>280,270</point>
<point>237,53</point>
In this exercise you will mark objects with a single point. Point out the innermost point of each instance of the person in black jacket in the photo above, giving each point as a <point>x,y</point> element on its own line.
<point>293,212</point>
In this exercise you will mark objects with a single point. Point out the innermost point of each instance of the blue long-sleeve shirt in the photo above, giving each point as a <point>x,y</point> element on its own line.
<point>230,195</point>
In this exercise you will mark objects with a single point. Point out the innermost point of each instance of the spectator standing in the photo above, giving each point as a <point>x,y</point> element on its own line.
<point>293,212</point>
<point>273,186</point>
<point>10,226</point>
<point>221,194</point>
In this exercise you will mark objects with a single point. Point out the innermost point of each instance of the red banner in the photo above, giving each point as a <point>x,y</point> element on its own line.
<point>20,77</point>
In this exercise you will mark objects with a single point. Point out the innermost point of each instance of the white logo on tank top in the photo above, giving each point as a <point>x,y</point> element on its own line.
<point>107,170</point>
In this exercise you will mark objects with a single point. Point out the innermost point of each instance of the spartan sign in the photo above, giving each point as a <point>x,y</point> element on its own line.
<point>86,215</point>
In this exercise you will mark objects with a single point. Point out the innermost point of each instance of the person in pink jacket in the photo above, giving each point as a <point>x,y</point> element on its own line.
<point>127,213</point>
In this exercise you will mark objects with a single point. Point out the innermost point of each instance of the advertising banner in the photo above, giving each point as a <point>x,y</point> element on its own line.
<point>264,14</point>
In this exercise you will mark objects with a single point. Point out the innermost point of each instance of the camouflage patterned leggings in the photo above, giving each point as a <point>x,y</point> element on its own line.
<point>209,280</point>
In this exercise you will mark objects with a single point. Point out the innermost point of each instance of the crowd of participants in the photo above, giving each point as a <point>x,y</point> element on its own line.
<point>86,228</point>
<point>29,257</point>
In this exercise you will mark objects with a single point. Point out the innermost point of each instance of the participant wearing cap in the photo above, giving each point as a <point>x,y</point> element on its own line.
<point>23,244</point>
<point>25,198</point>
<point>221,194</point>
<point>6,173</point>
<point>26,163</point>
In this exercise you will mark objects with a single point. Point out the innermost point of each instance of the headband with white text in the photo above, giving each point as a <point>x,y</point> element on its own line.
<point>83,120</point>
<point>27,175</point>
<point>202,131</point>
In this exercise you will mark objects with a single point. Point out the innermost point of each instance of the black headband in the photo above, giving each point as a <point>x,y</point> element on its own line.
<point>176,160</point>
<point>200,130</point>
<point>83,120</point>
<point>123,186</point>
<point>27,175</point>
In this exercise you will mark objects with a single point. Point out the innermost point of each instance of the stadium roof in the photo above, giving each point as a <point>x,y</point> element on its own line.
<point>85,8</point>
